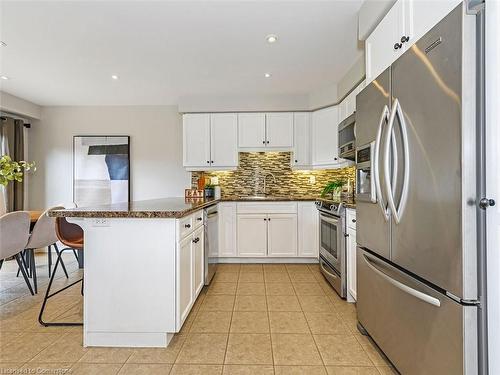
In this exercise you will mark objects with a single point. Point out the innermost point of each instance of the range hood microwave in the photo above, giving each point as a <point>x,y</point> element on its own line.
<point>347,137</point>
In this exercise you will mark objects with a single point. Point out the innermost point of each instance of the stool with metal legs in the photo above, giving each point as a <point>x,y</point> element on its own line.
<point>71,236</point>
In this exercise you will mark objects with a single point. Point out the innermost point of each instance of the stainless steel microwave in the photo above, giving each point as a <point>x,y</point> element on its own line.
<point>347,137</point>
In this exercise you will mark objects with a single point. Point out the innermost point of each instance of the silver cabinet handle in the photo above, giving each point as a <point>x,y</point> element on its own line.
<point>405,288</point>
<point>397,212</point>
<point>375,164</point>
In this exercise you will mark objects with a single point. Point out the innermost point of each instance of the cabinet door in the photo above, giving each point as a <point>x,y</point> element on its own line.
<point>301,139</point>
<point>282,235</point>
<point>308,229</point>
<point>351,264</point>
<point>324,136</point>
<point>227,229</point>
<point>379,46</point>
<point>251,130</point>
<point>196,140</point>
<point>198,261</point>
<point>423,15</point>
<point>252,235</point>
<point>224,140</point>
<point>350,104</point>
<point>279,130</point>
<point>184,280</point>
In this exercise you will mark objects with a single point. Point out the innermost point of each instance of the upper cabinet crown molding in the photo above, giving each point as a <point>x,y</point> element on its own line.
<point>402,26</point>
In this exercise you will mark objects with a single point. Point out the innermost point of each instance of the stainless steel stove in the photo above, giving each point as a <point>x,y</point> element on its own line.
<point>332,247</point>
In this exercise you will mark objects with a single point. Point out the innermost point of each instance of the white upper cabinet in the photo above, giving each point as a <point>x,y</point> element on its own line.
<point>301,150</point>
<point>196,140</point>
<point>402,26</point>
<point>324,137</point>
<point>251,130</point>
<point>261,131</point>
<point>380,49</point>
<point>210,141</point>
<point>223,140</point>
<point>279,130</point>
<point>425,14</point>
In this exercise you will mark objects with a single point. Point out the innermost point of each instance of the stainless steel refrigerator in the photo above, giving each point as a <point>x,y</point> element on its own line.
<point>416,217</point>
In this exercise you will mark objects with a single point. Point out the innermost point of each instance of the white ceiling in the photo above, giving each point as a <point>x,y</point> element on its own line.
<point>64,53</point>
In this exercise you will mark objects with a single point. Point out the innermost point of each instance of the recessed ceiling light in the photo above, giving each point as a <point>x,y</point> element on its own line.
<point>3,44</point>
<point>267,75</point>
<point>4,78</point>
<point>114,76</point>
<point>271,38</point>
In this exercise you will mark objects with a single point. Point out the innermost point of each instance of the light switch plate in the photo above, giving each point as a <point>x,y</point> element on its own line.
<point>100,222</point>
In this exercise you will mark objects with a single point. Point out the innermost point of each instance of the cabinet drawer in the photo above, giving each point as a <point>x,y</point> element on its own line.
<point>198,218</point>
<point>267,208</point>
<point>186,226</point>
<point>351,218</point>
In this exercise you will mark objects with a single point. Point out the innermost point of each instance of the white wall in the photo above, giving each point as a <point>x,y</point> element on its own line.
<point>370,14</point>
<point>352,77</point>
<point>155,148</point>
<point>236,103</point>
<point>13,104</point>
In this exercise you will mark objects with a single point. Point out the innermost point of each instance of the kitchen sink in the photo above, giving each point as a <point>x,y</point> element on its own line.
<point>262,197</point>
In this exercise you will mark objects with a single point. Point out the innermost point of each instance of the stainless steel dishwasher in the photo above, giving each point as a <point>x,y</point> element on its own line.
<point>211,242</point>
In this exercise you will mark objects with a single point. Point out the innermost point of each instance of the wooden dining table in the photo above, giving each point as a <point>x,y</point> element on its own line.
<point>34,216</point>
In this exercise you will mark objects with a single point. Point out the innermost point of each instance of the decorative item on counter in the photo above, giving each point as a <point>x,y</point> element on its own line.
<point>217,190</point>
<point>348,189</point>
<point>209,191</point>
<point>333,189</point>
<point>201,181</point>
<point>193,193</point>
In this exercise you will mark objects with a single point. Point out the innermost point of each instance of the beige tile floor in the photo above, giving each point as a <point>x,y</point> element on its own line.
<point>253,319</point>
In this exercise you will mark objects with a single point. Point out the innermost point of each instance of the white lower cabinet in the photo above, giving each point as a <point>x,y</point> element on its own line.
<point>281,235</point>
<point>185,294</point>
<point>198,260</point>
<point>252,235</point>
<point>308,229</point>
<point>227,229</point>
<point>351,255</point>
<point>190,267</point>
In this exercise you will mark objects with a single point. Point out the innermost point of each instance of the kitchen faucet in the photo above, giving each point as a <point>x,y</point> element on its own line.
<point>265,177</point>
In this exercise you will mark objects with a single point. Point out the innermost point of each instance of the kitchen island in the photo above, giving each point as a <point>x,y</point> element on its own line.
<point>144,268</point>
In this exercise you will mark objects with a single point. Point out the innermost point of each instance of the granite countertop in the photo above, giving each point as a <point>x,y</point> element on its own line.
<point>173,208</point>
<point>155,208</point>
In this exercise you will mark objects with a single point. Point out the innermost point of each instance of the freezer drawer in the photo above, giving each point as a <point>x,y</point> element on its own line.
<point>419,329</point>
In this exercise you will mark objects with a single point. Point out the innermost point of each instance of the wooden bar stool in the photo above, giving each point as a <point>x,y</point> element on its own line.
<point>70,235</point>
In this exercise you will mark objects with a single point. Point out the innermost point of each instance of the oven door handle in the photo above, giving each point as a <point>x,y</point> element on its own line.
<point>328,219</point>
<point>326,271</point>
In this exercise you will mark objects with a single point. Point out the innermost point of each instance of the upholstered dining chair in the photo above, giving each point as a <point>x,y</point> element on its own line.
<point>71,236</point>
<point>43,235</point>
<point>14,234</point>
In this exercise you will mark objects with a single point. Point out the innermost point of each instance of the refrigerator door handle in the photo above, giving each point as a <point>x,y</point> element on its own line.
<point>397,212</point>
<point>405,288</point>
<point>375,165</point>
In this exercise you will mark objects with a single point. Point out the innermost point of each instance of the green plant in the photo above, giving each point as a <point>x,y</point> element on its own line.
<point>11,170</point>
<point>331,186</point>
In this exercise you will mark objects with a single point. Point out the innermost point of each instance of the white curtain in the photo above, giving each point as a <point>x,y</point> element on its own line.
<point>4,150</point>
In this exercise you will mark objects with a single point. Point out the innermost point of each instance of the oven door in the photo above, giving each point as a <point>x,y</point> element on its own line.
<point>331,236</point>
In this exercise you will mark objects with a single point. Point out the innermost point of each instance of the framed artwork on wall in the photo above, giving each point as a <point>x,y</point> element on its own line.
<point>101,169</point>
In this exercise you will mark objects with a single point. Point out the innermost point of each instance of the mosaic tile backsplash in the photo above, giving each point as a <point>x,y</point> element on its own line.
<point>248,178</point>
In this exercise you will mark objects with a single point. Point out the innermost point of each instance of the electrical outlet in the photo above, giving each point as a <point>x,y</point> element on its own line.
<point>100,222</point>
<point>312,180</point>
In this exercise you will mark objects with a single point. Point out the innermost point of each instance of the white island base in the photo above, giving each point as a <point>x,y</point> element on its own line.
<point>141,278</point>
